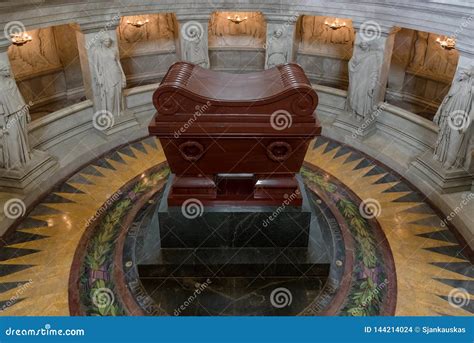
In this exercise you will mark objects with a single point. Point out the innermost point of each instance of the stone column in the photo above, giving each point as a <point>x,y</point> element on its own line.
<point>21,167</point>
<point>280,42</point>
<point>449,165</point>
<point>104,79</point>
<point>368,74</point>
<point>193,39</point>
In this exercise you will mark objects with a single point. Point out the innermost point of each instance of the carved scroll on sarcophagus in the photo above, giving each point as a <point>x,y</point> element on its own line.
<point>235,138</point>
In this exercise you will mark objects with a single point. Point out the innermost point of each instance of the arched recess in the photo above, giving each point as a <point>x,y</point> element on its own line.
<point>47,69</point>
<point>147,46</point>
<point>237,41</point>
<point>324,47</point>
<point>421,72</point>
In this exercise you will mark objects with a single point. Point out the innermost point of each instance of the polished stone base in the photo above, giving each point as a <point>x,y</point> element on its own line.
<point>123,122</point>
<point>236,259</point>
<point>196,226</point>
<point>242,296</point>
<point>445,181</point>
<point>359,129</point>
<point>41,166</point>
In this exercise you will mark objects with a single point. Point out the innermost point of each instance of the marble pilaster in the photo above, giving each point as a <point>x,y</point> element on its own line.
<point>280,42</point>
<point>98,70</point>
<point>193,45</point>
<point>368,74</point>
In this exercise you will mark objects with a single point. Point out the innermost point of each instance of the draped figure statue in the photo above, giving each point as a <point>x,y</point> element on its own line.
<point>108,77</point>
<point>421,45</point>
<point>363,76</point>
<point>14,116</point>
<point>194,49</point>
<point>454,118</point>
<point>278,49</point>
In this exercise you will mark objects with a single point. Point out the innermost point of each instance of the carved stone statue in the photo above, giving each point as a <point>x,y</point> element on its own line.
<point>307,31</point>
<point>364,69</point>
<point>278,49</point>
<point>108,76</point>
<point>194,49</point>
<point>454,118</point>
<point>421,44</point>
<point>14,116</point>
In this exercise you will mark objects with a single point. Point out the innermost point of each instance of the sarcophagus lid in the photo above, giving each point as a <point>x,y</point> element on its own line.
<point>193,101</point>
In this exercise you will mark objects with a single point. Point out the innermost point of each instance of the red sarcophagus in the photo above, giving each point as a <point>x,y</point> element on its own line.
<point>236,139</point>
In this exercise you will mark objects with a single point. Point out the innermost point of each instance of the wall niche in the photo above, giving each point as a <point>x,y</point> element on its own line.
<point>147,46</point>
<point>325,46</point>
<point>47,69</point>
<point>421,72</point>
<point>236,41</point>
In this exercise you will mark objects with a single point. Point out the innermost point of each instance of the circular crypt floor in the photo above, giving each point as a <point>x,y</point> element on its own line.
<point>88,248</point>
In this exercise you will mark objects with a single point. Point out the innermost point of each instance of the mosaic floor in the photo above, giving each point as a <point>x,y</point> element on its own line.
<point>392,255</point>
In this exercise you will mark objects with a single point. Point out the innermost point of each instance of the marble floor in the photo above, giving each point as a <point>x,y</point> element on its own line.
<point>80,245</point>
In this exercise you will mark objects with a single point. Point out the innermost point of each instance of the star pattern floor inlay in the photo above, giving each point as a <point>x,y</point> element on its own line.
<point>431,265</point>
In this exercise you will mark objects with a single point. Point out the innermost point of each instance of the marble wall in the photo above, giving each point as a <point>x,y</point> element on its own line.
<point>421,72</point>
<point>146,52</point>
<point>324,52</point>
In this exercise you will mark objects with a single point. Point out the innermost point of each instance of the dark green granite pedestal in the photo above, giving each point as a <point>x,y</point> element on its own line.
<point>234,226</point>
<point>236,255</point>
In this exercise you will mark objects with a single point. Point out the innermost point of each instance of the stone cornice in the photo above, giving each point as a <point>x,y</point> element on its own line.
<point>441,17</point>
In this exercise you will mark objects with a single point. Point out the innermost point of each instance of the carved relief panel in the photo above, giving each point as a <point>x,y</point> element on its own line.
<point>420,72</point>
<point>47,69</point>
<point>145,33</point>
<point>37,56</point>
<point>430,59</point>
<point>237,29</point>
<point>318,37</point>
<point>147,46</point>
<point>324,51</point>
